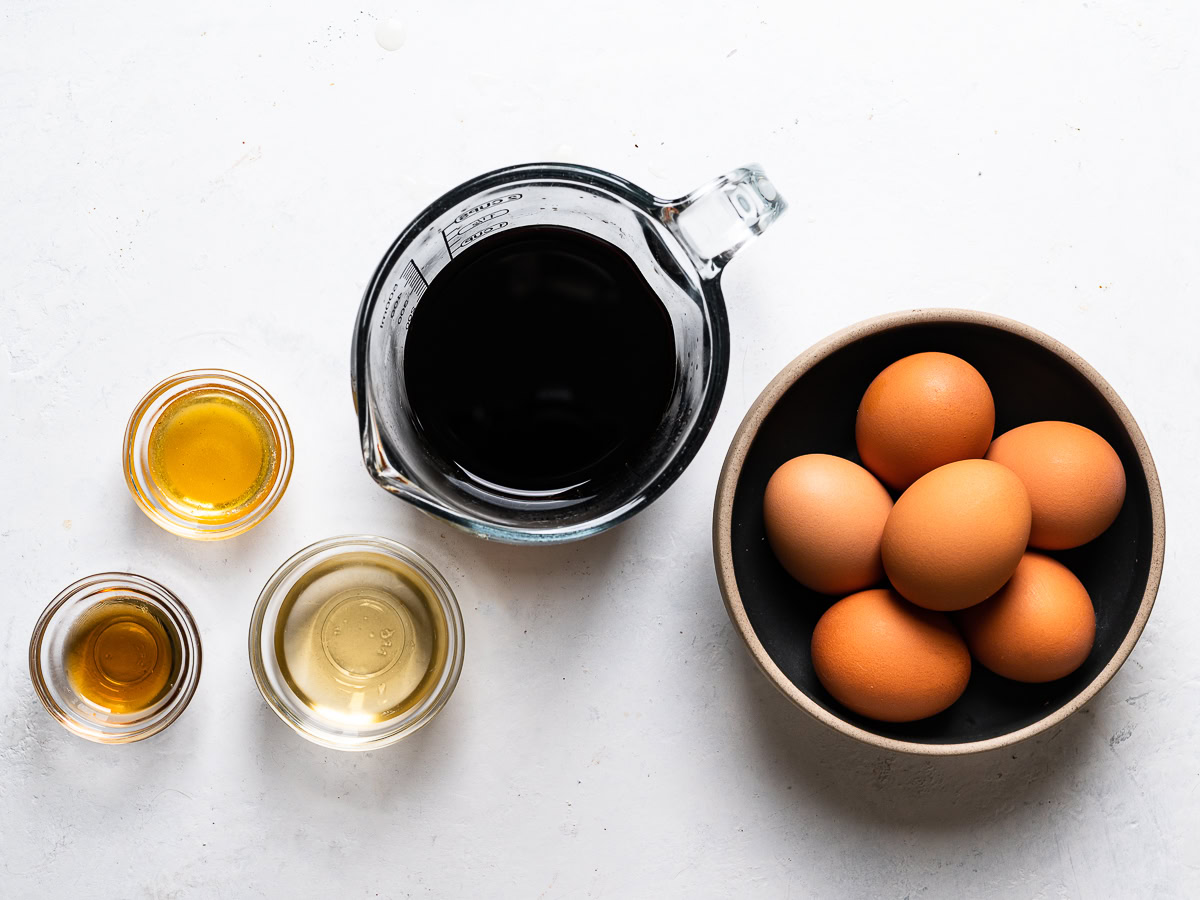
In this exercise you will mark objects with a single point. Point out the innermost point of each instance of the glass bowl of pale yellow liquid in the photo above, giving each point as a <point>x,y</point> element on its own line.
<point>207,454</point>
<point>356,642</point>
<point>115,658</point>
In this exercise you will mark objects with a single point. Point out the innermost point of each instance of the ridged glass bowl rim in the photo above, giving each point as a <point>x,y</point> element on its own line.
<point>90,590</point>
<point>297,716</point>
<point>137,432</point>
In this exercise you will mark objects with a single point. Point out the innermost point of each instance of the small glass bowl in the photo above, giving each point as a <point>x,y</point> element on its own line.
<point>173,516</point>
<point>282,697</point>
<point>48,653</point>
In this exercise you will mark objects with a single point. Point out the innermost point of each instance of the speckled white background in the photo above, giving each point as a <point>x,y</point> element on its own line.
<point>211,185</point>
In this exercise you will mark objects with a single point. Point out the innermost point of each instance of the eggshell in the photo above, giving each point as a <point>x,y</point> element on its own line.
<point>1075,480</point>
<point>921,412</point>
<point>1039,627</point>
<point>957,534</point>
<point>887,659</point>
<point>824,517</point>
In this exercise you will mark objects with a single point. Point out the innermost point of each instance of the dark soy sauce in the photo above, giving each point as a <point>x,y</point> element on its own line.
<point>539,359</point>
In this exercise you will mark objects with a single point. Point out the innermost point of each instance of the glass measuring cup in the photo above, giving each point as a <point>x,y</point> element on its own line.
<point>680,247</point>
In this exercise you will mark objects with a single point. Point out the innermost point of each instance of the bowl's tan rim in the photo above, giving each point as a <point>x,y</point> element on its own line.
<point>731,471</point>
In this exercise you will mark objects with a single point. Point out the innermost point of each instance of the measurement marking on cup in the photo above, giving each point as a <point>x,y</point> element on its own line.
<point>455,232</point>
<point>477,221</point>
<point>407,290</point>
<point>467,213</point>
<point>457,241</point>
<point>495,226</point>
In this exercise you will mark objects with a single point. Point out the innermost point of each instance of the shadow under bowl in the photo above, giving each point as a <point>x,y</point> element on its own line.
<point>810,407</point>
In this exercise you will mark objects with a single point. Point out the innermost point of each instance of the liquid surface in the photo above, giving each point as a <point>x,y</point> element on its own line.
<point>539,359</point>
<point>121,657</point>
<point>361,639</point>
<point>213,453</point>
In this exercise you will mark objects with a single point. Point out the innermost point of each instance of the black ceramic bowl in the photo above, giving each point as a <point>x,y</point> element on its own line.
<point>810,408</point>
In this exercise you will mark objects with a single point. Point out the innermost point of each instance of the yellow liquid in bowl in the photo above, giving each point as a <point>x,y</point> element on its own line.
<point>121,657</point>
<point>361,639</point>
<point>213,454</point>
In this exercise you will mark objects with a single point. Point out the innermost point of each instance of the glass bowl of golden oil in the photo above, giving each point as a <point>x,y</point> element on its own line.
<point>115,658</point>
<point>356,642</point>
<point>207,454</point>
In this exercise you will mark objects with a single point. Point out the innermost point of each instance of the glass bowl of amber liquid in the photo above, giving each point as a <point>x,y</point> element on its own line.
<point>207,454</point>
<point>356,642</point>
<point>115,658</point>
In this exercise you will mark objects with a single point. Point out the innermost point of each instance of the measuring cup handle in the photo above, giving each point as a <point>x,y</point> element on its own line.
<point>713,222</point>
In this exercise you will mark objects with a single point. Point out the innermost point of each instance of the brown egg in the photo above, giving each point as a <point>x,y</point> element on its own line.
<point>1039,627</point>
<point>887,659</point>
<point>1074,477</point>
<point>957,534</point>
<point>824,518</point>
<point>922,412</point>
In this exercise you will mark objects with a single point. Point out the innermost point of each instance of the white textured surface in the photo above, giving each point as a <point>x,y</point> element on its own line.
<point>211,184</point>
